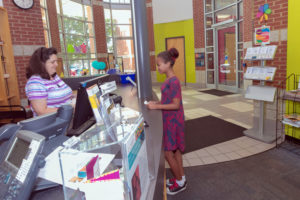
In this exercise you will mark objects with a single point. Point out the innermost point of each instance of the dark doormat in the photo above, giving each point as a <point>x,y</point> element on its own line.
<point>209,130</point>
<point>216,92</point>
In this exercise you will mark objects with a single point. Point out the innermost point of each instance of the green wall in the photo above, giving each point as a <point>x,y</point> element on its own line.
<point>176,29</point>
<point>293,45</point>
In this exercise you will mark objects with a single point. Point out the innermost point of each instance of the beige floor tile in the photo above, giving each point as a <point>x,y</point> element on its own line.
<point>190,92</point>
<point>202,153</point>
<point>239,106</point>
<point>206,97</point>
<point>195,162</point>
<point>208,160</point>
<point>213,150</point>
<point>190,155</point>
<point>233,155</point>
<point>224,148</point>
<point>243,152</point>
<point>221,158</point>
<point>186,163</point>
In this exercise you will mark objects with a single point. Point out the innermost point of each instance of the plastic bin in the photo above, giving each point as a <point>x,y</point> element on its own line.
<point>123,78</point>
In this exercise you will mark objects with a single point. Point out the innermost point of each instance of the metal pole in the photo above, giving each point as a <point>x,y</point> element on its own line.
<point>141,48</point>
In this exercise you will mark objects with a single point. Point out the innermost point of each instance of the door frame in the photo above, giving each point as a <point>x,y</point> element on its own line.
<point>216,60</point>
<point>166,44</point>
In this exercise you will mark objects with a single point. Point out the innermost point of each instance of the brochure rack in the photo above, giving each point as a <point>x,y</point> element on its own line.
<point>96,166</point>
<point>261,126</point>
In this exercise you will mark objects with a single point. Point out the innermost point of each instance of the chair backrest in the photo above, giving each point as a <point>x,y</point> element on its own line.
<point>111,71</point>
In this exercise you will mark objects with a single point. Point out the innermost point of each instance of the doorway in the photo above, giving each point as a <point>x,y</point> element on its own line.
<point>226,58</point>
<point>179,66</point>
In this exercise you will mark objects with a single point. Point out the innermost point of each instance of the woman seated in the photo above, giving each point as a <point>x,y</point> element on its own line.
<point>44,89</point>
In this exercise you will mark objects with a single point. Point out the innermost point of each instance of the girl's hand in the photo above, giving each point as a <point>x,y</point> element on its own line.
<point>152,105</point>
<point>153,102</point>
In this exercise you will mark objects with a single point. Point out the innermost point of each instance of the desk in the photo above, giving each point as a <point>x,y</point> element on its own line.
<point>154,149</point>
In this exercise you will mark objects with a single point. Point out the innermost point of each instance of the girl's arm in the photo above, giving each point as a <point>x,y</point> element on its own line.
<point>175,105</point>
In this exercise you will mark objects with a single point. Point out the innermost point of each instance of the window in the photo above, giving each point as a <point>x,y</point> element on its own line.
<point>118,26</point>
<point>77,37</point>
<point>45,20</point>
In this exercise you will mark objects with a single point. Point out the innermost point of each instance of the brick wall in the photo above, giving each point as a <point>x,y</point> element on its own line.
<point>26,28</point>
<point>199,35</point>
<point>278,23</point>
<point>151,34</point>
<point>100,34</point>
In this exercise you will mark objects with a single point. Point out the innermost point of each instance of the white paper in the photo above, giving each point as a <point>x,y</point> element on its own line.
<point>112,190</point>
<point>52,172</point>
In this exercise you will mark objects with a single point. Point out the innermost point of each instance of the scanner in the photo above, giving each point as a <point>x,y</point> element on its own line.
<point>20,162</point>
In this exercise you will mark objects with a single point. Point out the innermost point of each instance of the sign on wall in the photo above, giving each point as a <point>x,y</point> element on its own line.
<point>262,35</point>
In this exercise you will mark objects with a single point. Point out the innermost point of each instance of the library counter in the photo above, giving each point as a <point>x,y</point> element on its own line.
<point>153,134</point>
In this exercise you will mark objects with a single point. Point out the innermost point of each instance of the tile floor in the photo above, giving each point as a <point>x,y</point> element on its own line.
<point>232,108</point>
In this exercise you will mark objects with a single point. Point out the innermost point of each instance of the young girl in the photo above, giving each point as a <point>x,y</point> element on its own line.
<point>173,119</point>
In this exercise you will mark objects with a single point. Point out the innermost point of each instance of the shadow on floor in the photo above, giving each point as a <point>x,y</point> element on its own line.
<point>274,174</point>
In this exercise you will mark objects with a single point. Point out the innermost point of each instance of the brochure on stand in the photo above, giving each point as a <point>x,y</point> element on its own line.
<point>261,53</point>
<point>260,73</point>
<point>94,98</point>
<point>136,163</point>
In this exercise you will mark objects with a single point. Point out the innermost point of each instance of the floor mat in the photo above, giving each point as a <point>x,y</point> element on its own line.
<point>209,130</point>
<point>216,92</point>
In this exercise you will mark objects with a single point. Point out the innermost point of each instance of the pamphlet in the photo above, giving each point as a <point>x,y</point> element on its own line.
<point>94,98</point>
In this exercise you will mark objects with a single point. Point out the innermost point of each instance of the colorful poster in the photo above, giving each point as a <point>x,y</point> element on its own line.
<point>262,35</point>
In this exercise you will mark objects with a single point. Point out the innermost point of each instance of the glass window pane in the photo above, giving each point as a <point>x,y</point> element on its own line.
<point>107,15</point>
<point>72,9</point>
<point>241,80</point>
<point>88,13</point>
<point>59,23</point>
<point>124,47</point>
<point>208,6</point>
<point>75,67</point>
<point>240,35</point>
<point>226,14</point>
<point>110,47</point>
<point>90,29</point>
<point>129,64</point>
<point>57,7</point>
<point>47,38</point>
<point>210,49</point>
<point>221,3</point>
<point>74,43</point>
<point>121,16</point>
<point>240,60</point>
<point>91,45</point>
<point>42,3</point>
<point>44,18</point>
<point>209,38</point>
<point>62,46</point>
<point>115,1</point>
<point>210,77</point>
<point>209,20</point>
<point>210,61</point>
<point>241,10</point>
<point>73,26</point>
<point>122,31</point>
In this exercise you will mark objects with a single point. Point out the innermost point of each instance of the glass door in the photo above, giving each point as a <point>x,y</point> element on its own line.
<point>226,58</point>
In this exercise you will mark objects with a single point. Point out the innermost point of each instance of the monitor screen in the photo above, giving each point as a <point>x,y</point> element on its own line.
<point>18,152</point>
<point>83,111</point>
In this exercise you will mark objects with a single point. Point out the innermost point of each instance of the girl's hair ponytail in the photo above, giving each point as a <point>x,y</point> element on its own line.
<point>169,56</point>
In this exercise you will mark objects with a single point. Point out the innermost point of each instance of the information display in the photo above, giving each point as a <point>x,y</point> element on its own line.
<point>260,73</point>
<point>261,53</point>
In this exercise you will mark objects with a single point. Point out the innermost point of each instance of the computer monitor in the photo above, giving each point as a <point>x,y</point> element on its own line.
<point>50,125</point>
<point>84,116</point>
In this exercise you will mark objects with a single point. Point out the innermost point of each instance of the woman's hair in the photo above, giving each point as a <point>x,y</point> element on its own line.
<point>37,62</point>
<point>169,56</point>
